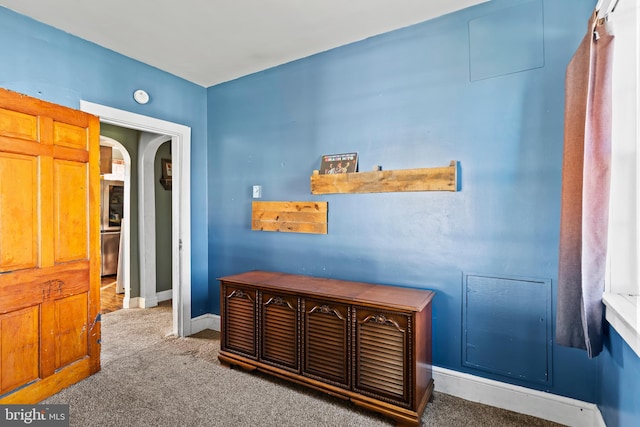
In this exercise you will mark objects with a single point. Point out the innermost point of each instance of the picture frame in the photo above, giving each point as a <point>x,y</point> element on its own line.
<point>167,173</point>
<point>166,168</point>
<point>339,163</point>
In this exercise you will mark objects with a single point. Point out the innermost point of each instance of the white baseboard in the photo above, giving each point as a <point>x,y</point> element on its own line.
<point>559,409</point>
<point>164,295</point>
<point>599,421</point>
<point>147,302</point>
<point>131,302</point>
<point>139,302</point>
<point>206,321</point>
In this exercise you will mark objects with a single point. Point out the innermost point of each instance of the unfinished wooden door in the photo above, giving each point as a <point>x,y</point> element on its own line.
<point>49,247</point>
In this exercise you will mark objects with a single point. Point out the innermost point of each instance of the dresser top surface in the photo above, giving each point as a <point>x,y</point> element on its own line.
<point>410,299</point>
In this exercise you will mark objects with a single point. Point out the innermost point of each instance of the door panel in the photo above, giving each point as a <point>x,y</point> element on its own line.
<point>19,348</point>
<point>70,211</point>
<point>18,212</point>
<point>18,125</point>
<point>239,332</point>
<point>71,332</point>
<point>49,247</point>
<point>279,331</point>
<point>383,364</point>
<point>69,135</point>
<point>326,331</point>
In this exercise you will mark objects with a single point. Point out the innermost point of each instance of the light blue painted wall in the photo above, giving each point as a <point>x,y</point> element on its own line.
<point>46,63</point>
<point>402,100</point>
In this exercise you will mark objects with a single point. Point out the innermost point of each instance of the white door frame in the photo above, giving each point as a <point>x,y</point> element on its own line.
<point>180,203</point>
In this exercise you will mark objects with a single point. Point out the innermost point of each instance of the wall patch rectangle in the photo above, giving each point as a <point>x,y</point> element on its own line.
<point>507,41</point>
<point>507,326</point>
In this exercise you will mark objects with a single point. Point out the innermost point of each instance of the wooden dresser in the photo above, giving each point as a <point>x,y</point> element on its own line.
<point>367,343</point>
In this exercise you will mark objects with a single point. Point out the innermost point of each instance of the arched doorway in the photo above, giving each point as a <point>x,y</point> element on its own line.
<point>125,233</point>
<point>148,147</point>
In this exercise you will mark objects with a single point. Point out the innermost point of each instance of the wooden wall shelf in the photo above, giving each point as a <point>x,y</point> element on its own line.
<point>291,217</point>
<point>425,179</point>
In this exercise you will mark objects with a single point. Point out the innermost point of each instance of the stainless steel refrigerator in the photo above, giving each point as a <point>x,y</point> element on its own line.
<point>112,208</point>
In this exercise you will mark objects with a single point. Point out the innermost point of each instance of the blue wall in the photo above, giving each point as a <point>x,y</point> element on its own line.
<point>49,64</point>
<point>619,382</point>
<point>410,99</point>
<point>416,97</point>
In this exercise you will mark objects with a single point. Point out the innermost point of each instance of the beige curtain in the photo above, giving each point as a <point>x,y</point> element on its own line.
<point>585,191</point>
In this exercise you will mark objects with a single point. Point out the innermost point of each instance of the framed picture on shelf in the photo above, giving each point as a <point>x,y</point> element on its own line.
<point>339,163</point>
<point>166,174</point>
<point>166,168</point>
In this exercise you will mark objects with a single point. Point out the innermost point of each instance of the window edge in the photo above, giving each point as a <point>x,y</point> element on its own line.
<point>622,314</point>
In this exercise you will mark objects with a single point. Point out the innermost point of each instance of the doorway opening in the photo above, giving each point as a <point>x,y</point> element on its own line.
<point>115,232</point>
<point>180,137</point>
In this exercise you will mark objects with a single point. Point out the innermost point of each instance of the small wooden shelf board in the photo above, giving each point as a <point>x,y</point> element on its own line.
<point>424,179</point>
<point>291,217</point>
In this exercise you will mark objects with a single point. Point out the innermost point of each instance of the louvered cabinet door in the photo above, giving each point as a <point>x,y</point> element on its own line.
<point>383,365</point>
<point>279,337</point>
<point>240,321</point>
<point>326,342</point>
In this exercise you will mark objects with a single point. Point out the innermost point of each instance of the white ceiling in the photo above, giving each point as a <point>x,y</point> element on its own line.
<point>211,41</point>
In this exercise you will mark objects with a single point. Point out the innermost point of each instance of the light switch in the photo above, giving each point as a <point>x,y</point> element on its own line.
<point>257,191</point>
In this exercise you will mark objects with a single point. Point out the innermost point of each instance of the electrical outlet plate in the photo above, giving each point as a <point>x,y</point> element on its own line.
<point>257,191</point>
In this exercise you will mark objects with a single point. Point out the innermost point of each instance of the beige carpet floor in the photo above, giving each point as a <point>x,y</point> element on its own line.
<point>150,378</point>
